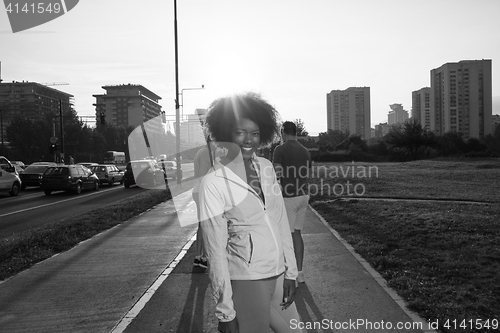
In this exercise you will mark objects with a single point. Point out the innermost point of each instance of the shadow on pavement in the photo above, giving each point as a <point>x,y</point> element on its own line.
<point>308,310</point>
<point>193,313</point>
<point>183,303</point>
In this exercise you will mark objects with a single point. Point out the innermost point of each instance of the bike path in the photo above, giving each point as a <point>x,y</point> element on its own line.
<point>148,260</point>
<point>342,293</point>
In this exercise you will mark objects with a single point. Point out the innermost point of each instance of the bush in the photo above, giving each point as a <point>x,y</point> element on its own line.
<point>485,153</point>
<point>347,156</point>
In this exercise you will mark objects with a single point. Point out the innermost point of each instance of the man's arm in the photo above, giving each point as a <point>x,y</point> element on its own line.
<point>277,162</point>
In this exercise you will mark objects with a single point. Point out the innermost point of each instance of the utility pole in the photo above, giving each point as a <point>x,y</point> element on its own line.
<point>177,120</point>
<point>54,155</point>
<point>1,128</point>
<point>1,114</point>
<point>62,132</point>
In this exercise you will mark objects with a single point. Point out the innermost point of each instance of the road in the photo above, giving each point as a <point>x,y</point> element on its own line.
<point>32,208</point>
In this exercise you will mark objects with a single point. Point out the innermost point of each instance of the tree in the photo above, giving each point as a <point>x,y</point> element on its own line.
<point>492,141</point>
<point>474,144</point>
<point>451,143</point>
<point>353,142</point>
<point>29,137</point>
<point>99,146</point>
<point>301,129</point>
<point>410,136</point>
<point>330,139</point>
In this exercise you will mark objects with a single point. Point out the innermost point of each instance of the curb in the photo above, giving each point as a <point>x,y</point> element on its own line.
<point>376,276</point>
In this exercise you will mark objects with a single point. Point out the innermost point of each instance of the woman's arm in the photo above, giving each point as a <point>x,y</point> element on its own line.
<point>215,236</point>
<point>291,271</point>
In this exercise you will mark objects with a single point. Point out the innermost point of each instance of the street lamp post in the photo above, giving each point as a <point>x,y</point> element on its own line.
<point>1,128</point>
<point>177,120</point>
<point>61,123</point>
<point>177,116</point>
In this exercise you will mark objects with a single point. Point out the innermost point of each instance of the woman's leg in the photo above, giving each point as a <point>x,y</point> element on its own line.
<point>252,304</point>
<point>282,321</point>
<point>200,257</point>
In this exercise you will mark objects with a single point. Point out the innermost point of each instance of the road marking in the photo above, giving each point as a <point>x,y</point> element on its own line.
<point>57,202</point>
<point>141,303</point>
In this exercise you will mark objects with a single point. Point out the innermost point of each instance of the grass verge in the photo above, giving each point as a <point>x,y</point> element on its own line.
<point>475,180</point>
<point>442,257</point>
<point>25,249</point>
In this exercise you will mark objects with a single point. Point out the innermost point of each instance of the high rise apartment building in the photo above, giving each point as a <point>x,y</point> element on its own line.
<point>421,106</point>
<point>397,114</point>
<point>127,105</point>
<point>495,122</point>
<point>461,98</point>
<point>191,131</point>
<point>30,99</point>
<point>382,130</point>
<point>349,111</point>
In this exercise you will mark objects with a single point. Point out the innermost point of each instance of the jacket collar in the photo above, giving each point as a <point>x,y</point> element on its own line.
<point>226,171</point>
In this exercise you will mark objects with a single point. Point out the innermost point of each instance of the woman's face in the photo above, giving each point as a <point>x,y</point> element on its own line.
<point>246,136</point>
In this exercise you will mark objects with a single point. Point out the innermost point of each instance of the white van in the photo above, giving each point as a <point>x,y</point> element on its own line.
<point>9,178</point>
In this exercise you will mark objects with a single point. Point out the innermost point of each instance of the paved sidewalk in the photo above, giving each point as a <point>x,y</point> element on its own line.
<point>342,293</point>
<point>138,277</point>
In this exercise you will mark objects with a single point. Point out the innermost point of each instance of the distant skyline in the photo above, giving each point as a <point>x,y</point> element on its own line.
<point>292,52</point>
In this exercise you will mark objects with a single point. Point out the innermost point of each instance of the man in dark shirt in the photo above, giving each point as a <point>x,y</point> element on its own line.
<point>292,163</point>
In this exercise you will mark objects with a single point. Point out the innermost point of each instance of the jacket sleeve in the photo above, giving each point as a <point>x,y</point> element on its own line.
<point>291,271</point>
<point>215,236</point>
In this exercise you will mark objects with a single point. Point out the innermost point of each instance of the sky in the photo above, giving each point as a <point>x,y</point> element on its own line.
<point>292,52</point>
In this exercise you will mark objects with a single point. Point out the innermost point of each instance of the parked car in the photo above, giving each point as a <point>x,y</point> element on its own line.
<point>108,173</point>
<point>143,173</point>
<point>9,178</point>
<point>32,175</point>
<point>68,178</point>
<point>87,164</point>
<point>19,165</point>
<point>170,168</point>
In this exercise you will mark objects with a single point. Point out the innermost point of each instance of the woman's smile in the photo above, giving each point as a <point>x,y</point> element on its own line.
<point>247,137</point>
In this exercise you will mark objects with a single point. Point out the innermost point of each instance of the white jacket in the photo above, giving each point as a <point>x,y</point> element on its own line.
<point>245,238</point>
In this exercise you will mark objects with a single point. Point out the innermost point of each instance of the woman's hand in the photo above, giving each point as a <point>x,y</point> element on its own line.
<point>229,326</point>
<point>288,293</point>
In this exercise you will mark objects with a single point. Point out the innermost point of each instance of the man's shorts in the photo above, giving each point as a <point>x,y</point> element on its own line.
<point>296,211</point>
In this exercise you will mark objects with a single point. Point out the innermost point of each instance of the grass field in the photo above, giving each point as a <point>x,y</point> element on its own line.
<point>441,254</point>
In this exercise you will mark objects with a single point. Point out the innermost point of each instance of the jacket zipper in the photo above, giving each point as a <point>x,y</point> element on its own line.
<point>251,190</point>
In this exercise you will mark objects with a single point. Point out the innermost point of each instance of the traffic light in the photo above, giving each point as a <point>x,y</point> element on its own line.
<point>52,148</point>
<point>103,118</point>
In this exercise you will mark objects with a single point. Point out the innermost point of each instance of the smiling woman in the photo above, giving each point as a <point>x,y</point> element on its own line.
<point>246,233</point>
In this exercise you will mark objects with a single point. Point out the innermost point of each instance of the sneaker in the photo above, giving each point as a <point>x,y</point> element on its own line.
<point>197,261</point>
<point>200,262</point>
<point>300,277</point>
<point>203,263</point>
